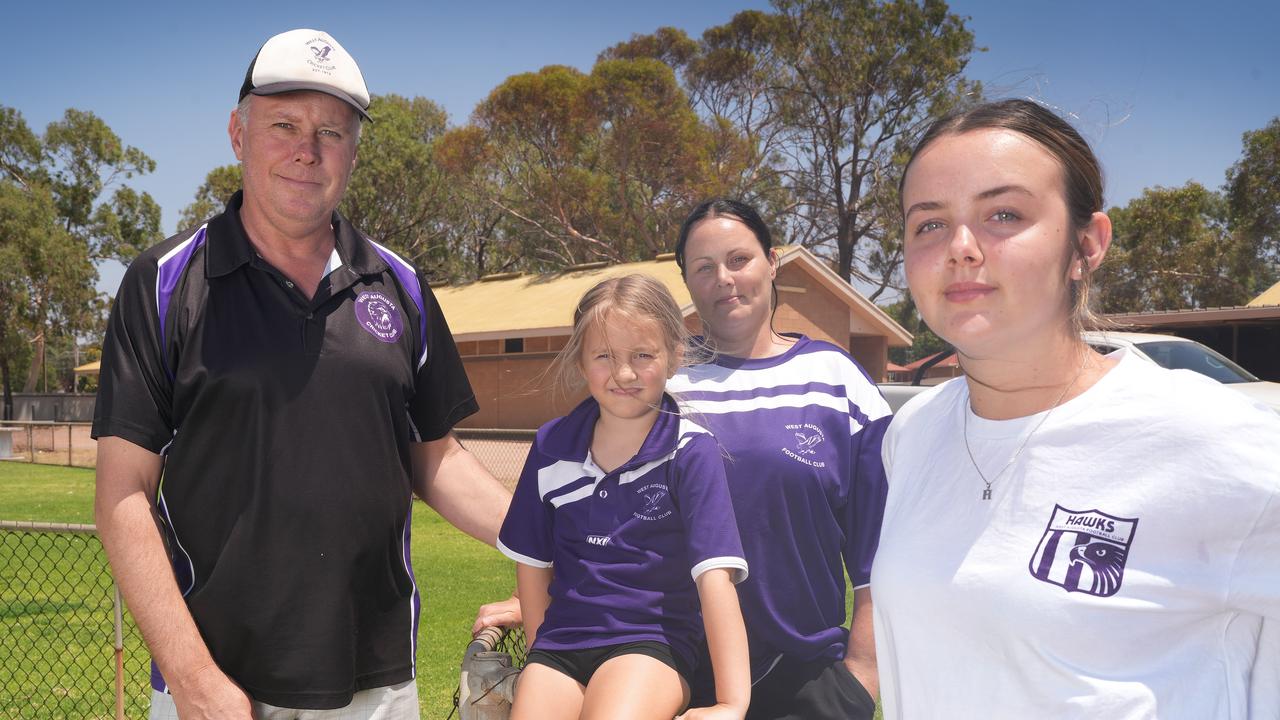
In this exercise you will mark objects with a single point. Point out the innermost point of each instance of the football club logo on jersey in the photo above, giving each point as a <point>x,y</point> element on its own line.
<point>807,439</point>
<point>378,316</point>
<point>1084,551</point>
<point>654,508</point>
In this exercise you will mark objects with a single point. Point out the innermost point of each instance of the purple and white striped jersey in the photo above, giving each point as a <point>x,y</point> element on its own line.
<point>803,432</point>
<point>625,545</point>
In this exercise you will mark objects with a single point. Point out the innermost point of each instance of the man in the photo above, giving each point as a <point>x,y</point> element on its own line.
<point>275,389</point>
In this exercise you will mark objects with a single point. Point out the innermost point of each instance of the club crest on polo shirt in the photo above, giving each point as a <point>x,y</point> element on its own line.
<point>807,438</point>
<point>1084,551</point>
<point>378,315</point>
<point>656,505</point>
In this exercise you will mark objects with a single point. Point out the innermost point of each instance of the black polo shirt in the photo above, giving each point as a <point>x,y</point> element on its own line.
<point>286,425</point>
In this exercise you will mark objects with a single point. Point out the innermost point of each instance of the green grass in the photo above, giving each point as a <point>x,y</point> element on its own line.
<point>45,493</point>
<point>64,631</point>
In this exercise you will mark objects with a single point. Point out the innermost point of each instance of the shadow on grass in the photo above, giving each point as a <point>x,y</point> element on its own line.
<point>20,609</point>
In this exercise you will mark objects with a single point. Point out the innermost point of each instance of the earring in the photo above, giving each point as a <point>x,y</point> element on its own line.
<point>1077,272</point>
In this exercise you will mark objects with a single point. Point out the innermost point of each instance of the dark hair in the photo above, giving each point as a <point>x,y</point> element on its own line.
<point>743,213</point>
<point>723,207</point>
<point>1081,172</point>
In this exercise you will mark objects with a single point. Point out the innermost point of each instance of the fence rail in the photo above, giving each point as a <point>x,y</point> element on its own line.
<point>51,443</point>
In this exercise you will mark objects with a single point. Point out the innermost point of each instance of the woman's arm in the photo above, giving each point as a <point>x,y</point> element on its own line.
<point>531,587</point>
<point>860,657</point>
<point>727,641</point>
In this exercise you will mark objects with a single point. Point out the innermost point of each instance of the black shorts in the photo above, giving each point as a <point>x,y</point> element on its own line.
<point>820,689</point>
<point>582,664</point>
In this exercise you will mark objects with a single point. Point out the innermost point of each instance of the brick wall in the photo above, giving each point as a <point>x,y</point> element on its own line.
<point>816,312</point>
<point>514,391</point>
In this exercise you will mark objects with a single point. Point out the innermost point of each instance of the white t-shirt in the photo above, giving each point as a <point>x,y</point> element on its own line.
<point>1121,570</point>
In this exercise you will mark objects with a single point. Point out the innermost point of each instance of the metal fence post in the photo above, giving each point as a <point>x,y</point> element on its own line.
<point>31,443</point>
<point>119,627</point>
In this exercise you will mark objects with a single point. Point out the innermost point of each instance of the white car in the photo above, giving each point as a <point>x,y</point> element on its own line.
<point>1178,353</point>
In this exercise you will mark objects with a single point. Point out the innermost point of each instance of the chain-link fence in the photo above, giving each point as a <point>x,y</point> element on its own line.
<point>48,443</point>
<point>502,452</point>
<point>69,649</point>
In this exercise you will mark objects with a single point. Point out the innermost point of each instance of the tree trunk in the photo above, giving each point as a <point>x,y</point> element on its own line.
<point>844,244</point>
<point>37,362</point>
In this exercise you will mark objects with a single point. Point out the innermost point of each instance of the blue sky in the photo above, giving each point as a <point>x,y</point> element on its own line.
<point>1164,90</point>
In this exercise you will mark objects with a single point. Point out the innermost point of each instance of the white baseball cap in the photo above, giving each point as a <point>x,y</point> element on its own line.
<point>307,60</point>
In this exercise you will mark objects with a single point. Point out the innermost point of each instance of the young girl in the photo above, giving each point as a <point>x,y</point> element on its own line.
<point>621,525</point>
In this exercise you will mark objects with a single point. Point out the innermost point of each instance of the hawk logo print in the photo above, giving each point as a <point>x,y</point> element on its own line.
<point>804,445</point>
<point>320,60</point>
<point>1084,551</point>
<point>378,315</point>
<point>654,508</point>
<point>808,437</point>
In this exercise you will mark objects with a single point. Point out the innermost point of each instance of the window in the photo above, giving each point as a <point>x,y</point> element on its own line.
<point>513,345</point>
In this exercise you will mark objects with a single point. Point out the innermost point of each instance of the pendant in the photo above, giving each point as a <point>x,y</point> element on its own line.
<point>986,493</point>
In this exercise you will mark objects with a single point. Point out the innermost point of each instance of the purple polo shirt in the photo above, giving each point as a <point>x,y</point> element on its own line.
<point>626,545</point>
<point>802,432</point>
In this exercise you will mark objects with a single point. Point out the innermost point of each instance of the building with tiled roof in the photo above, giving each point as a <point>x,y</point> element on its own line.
<point>509,327</point>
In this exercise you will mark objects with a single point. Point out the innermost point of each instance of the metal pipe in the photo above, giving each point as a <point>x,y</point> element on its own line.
<point>119,627</point>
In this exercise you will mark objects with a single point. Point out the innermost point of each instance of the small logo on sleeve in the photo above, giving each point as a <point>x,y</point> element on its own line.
<point>379,317</point>
<point>1084,551</point>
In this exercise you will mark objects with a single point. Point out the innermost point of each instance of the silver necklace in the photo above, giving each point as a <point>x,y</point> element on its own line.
<point>986,491</point>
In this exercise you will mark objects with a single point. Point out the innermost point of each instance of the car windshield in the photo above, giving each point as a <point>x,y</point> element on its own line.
<point>1194,356</point>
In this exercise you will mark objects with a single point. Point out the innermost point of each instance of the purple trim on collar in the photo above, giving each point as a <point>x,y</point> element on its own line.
<point>409,281</point>
<point>569,437</point>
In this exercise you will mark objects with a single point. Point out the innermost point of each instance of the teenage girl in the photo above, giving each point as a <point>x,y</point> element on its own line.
<point>622,527</point>
<point>1066,534</point>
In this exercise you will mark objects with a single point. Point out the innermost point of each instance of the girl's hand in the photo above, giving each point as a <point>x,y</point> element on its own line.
<point>719,711</point>
<point>504,613</point>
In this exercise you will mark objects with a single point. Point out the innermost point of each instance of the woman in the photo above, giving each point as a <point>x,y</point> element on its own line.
<point>801,427</point>
<point>1066,534</point>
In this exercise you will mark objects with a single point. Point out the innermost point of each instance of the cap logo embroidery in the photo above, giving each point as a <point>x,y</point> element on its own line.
<point>379,317</point>
<point>1084,551</point>
<point>320,60</point>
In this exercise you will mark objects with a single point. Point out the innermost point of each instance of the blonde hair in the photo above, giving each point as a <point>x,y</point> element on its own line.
<point>636,297</point>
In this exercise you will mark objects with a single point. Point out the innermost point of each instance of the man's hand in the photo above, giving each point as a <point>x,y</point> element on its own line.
<point>208,694</point>
<point>504,613</point>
